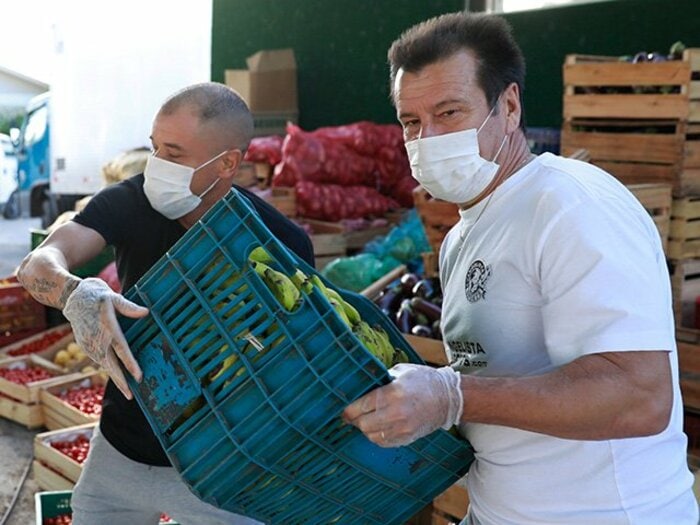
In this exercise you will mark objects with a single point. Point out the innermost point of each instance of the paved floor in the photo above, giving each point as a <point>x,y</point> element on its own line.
<point>15,440</point>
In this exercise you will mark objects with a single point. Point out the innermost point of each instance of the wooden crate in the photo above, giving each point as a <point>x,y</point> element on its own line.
<point>605,87</point>
<point>657,200</point>
<point>29,392</point>
<point>284,199</point>
<point>53,466</point>
<point>684,236</point>
<point>689,370</point>
<point>59,414</point>
<point>450,507</point>
<point>437,216</point>
<point>63,332</point>
<point>21,315</point>
<point>29,415</point>
<point>685,287</point>
<point>639,151</point>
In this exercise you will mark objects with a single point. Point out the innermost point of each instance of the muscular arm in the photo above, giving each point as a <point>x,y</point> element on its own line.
<point>600,396</point>
<point>45,272</point>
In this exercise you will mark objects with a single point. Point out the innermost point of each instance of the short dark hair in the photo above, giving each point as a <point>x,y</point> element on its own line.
<point>218,104</point>
<point>499,58</point>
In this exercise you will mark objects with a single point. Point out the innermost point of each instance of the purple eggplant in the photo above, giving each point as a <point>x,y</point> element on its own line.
<point>430,310</point>
<point>421,331</point>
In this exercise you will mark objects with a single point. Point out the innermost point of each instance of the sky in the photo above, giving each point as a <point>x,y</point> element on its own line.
<point>27,36</point>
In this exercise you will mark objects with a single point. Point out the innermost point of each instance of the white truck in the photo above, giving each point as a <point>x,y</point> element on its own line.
<point>113,65</point>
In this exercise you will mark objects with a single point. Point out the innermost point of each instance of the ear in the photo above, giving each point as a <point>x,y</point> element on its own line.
<point>230,162</point>
<point>512,107</point>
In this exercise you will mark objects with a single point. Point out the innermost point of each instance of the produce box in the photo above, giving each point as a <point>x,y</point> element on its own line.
<point>20,381</point>
<point>450,506</point>
<point>640,150</point>
<point>20,315</point>
<point>59,456</point>
<point>39,343</point>
<point>605,87</point>
<point>689,368</point>
<point>437,216</point>
<point>90,268</point>
<point>53,508</point>
<point>74,401</point>
<point>290,375</point>
<point>684,237</point>
<point>284,199</point>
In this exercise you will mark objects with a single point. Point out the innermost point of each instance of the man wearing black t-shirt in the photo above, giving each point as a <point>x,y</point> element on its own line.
<point>199,137</point>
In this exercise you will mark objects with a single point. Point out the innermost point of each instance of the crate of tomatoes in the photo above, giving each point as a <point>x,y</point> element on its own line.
<point>74,401</point>
<point>59,456</point>
<point>41,343</point>
<point>20,315</point>
<point>20,381</point>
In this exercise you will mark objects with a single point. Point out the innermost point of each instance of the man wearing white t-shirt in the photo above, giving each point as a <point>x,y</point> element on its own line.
<point>556,312</point>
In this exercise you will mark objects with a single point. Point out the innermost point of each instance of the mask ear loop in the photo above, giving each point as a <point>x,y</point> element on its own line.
<point>217,178</point>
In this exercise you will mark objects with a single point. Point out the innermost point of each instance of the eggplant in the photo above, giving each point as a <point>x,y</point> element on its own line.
<point>431,311</point>
<point>390,299</point>
<point>407,282</point>
<point>421,331</point>
<point>405,319</point>
<point>436,330</point>
<point>423,288</point>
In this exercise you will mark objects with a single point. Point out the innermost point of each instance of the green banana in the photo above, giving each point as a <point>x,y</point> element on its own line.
<point>260,254</point>
<point>372,341</point>
<point>279,284</point>
<point>340,311</point>
<point>350,311</point>
<point>301,281</point>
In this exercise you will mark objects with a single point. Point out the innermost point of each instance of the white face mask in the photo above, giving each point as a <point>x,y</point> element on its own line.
<point>167,186</point>
<point>449,166</point>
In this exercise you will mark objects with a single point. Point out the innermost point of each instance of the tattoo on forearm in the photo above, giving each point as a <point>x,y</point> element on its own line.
<point>67,290</point>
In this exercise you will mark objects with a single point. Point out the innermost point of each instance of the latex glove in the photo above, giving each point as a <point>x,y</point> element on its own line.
<point>417,402</point>
<point>92,311</point>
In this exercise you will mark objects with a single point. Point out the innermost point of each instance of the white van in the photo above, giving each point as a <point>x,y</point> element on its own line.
<point>8,168</point>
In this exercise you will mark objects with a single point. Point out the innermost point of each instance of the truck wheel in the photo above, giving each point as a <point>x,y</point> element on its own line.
<point>48,215</point>
<point>12,206</point>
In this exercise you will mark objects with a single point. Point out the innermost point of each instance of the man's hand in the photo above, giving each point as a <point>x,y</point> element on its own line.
<point>92,310</point>
<point>418,401</point>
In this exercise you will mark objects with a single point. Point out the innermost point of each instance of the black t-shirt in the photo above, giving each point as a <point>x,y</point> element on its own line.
<point>140,235</point>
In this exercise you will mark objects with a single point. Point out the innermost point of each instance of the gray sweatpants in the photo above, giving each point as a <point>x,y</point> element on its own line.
<point>116,490</point>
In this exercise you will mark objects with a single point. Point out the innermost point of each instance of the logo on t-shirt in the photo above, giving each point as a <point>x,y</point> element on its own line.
<point>475,283</point>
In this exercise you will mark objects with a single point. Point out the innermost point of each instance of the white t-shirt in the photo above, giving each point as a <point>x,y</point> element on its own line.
<point>563,261</point>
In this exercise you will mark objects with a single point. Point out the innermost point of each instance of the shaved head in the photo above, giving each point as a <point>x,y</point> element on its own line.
<point>221,112</point>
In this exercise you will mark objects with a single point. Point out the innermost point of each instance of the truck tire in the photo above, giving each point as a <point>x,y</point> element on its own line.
<point>12,209</point>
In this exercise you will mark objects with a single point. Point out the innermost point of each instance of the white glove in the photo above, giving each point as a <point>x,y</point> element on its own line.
<point>92,311</point>
<point>417,402</point>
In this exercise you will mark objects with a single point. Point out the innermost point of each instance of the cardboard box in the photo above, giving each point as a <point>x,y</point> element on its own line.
<point>269,83</point>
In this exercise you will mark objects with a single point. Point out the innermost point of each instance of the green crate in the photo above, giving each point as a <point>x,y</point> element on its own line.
<point>51,504</point>
<point>55,503</point>
<point>89,269</point>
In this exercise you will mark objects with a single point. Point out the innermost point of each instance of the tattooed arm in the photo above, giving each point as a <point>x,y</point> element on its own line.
<point>45,274</point>
<point>89,304</point>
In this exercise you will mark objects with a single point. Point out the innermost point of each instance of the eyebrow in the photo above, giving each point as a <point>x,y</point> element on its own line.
<point>169,145</point>
<point>437,106</point>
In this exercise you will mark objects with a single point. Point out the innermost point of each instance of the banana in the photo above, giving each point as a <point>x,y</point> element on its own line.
<point>228,363</point>
<point>301,281</point>
<point>279,284</point>
<point>350,311</point>
<point>372,342</point>
<point>340,311</point>
<point>259,254</point>
<point>385,343</point>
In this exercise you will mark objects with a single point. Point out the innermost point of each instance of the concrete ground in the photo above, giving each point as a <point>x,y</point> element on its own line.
<point>15,440</point>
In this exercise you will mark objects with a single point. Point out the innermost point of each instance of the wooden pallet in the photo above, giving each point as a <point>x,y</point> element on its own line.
<point>605,87</point>
<point>59,414</point>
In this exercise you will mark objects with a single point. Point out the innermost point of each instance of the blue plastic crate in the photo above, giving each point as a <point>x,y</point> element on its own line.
<point>265,438</point>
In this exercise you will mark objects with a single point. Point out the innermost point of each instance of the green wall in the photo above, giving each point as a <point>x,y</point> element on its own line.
<point>340,48</point>
<point>341,45</point>
<point>616,27</point>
